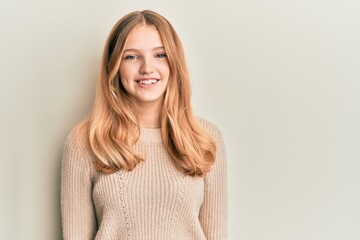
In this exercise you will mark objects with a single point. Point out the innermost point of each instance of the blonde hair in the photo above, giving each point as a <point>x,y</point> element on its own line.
<point>112,128</point>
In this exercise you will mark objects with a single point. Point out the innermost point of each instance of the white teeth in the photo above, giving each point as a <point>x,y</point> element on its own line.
<point>148,82</point>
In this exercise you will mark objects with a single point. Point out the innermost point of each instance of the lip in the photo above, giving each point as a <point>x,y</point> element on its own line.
<point>144,79</point>
<point>147,85</point>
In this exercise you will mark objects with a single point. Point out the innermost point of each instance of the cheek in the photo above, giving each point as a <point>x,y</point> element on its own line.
<point>129,70</point>
<point>124,78</point>
<point>124,72</point>
<point>126,75</point>
<point>165,70</point>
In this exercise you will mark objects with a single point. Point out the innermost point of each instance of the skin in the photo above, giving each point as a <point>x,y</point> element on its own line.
<point>144,61</point>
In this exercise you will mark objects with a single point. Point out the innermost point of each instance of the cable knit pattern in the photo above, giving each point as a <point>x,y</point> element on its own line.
<point>155,201</point>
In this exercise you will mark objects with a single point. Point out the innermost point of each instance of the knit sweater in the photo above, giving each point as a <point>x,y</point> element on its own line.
<point>155,201</point>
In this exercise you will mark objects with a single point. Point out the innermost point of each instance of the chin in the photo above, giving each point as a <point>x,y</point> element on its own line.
<point>149,99</point>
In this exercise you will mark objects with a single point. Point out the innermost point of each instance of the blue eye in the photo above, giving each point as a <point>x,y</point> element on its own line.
<point>161,55</point>
<point>131,57</point>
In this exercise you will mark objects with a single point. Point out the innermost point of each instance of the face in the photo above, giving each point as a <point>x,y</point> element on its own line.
<point>144,69</point>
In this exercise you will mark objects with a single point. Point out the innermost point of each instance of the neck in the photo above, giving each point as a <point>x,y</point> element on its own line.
<point>149,115</point>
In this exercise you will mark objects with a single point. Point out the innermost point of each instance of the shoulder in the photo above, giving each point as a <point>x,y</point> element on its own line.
<point>78,138</point>
<point>76,149</point>
<point>210,128</point>
<point>72,142</point>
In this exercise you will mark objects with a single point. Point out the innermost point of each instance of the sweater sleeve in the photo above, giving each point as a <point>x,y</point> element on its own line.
<point>213,212</point>
<point>77,210</point>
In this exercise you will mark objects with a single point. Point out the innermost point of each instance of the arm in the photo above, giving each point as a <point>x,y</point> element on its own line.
<point>213,212</point>
<point>77,210</point>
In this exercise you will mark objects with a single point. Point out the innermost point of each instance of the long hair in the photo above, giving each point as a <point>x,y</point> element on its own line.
<point>112,128</point>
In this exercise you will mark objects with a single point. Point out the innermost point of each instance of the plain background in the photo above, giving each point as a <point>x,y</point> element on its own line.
<point>279,78</point>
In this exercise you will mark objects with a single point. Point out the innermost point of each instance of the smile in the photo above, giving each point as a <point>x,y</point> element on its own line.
<point>147,81</point>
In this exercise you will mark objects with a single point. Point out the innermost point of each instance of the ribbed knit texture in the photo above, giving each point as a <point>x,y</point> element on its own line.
<point>155,201</point>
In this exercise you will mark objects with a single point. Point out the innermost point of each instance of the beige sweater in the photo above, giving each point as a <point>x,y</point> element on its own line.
<point>155,201</point>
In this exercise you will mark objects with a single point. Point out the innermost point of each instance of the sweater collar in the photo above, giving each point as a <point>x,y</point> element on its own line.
<point>150,135</point>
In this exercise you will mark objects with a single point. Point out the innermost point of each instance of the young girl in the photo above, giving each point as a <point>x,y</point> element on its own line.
<point>141,165</point>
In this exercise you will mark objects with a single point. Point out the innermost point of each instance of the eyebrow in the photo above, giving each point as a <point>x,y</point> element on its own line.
<point>137,50</point>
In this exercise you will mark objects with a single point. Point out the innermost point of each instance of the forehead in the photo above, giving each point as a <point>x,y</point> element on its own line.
<point>143,37</point>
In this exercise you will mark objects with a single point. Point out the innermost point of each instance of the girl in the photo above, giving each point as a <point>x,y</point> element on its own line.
<point>141,165</point>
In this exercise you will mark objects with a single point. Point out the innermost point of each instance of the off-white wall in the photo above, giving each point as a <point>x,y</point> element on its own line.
<point>280,78</point>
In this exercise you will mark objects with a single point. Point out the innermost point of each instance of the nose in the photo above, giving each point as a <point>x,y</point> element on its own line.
<point>147,66</point>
